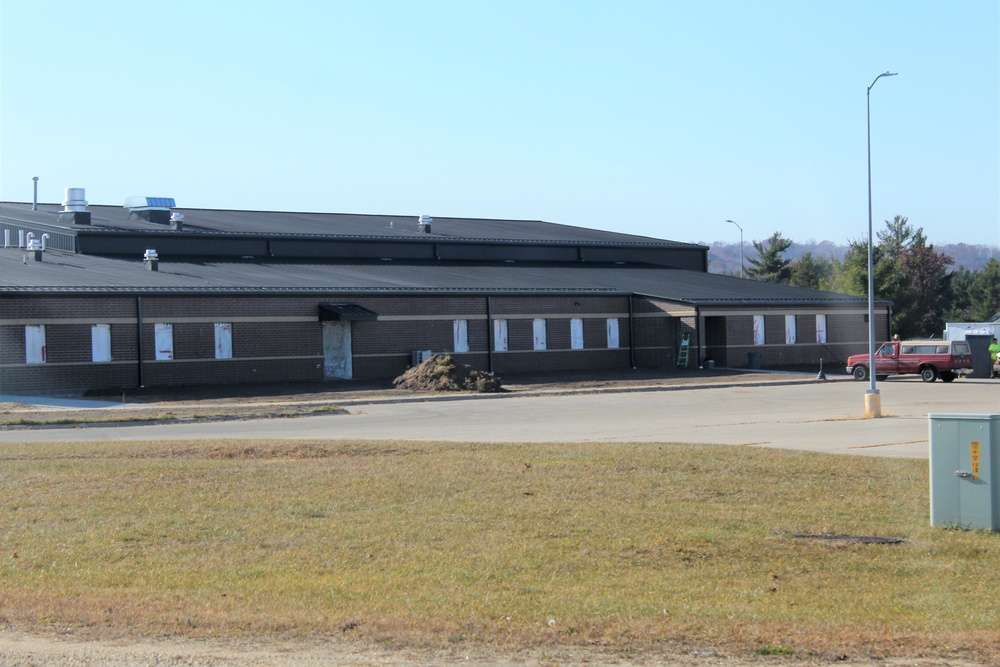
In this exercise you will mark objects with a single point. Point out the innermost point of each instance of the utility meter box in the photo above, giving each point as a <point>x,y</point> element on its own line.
<point>965,470</point>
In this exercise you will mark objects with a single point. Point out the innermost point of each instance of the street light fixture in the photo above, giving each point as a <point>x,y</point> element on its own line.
<point>873,402</point>
<point>741,246</point>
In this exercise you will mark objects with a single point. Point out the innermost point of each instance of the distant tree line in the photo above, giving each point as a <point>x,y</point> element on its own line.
<point>907,271</point>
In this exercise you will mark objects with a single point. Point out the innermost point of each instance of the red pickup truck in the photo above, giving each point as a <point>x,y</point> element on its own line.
<point>930,359</point>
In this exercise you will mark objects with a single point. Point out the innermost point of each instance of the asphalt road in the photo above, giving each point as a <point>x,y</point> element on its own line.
<point>808,415</point>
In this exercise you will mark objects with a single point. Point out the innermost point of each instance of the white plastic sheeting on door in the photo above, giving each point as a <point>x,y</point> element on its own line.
<point>163,335</point>
<point>539,330</point>
<point>500,336</point>
<point>613,343</point>
<point>789,329</point>
<point>821,328</point>
<point>223,340</point>
<point>460,330</point>
<point>576,334</point>
<point>100,342</point>
<point>337,362</point>
<point>758,329</point>
<point>34,344</point>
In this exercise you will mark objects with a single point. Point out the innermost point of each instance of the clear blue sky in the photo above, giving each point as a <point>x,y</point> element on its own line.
<point>659,118</point>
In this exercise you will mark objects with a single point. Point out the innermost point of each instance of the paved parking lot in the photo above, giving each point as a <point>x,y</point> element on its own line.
<point>807,414</point>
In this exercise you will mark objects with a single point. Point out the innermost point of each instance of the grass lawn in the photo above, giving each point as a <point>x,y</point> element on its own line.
<point>629,545</point>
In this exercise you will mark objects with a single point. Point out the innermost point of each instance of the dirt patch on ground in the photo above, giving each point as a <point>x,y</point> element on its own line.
<point>442,373</point>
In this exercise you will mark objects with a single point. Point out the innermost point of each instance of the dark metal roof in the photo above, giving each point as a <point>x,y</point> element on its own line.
<point>109,219</point>
<point>63,272</point>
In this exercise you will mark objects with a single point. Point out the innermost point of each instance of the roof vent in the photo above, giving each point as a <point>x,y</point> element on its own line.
<point>151,260</point>
<point>74,210</point>
<point>424,224</point>
<point>150,209</point>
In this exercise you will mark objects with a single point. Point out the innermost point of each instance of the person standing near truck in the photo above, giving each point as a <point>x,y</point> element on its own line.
<point>994,349</point>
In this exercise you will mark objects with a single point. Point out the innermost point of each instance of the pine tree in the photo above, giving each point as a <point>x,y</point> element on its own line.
<point>770,266</point>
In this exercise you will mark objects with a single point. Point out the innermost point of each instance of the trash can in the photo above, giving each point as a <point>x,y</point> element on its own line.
<point>753,360</point>
<point>965,470</point>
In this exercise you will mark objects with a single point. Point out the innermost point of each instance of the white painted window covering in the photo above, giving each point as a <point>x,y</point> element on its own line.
<point>821,328</point>
<point>223,340</point>
<point>164,340</point>
<point>461,335</point>
<point>500,336</point>
<point>613,343</point>
<point>789,329</point>
<point>539,329</point>
<point>34,344</point>
<point>100,342</point>
<point>758,329</point>
<point>576,333</point>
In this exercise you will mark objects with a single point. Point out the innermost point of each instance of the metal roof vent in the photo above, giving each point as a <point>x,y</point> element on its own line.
<point>151,260</point>
<point>424,224</point>
<point>150,209</point>
<point>74,210</point>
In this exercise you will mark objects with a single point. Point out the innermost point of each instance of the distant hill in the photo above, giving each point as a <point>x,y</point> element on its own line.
<point>725,257</point>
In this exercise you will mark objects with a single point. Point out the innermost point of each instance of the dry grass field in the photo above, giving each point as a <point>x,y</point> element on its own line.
<point>635,548</point>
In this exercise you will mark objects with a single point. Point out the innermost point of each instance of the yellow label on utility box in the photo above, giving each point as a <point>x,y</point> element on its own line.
<point>974,455</point>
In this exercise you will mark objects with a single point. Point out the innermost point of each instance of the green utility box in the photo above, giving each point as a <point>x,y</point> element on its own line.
<point>965,470</point>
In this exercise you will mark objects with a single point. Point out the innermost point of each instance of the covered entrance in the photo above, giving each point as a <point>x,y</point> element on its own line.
<point>337,319</point>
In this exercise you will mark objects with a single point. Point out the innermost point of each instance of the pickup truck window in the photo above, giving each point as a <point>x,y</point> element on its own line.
<point>925,349</point>
<point>906,349</point>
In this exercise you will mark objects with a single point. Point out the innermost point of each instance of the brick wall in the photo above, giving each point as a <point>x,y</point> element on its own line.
<point>280,338</point>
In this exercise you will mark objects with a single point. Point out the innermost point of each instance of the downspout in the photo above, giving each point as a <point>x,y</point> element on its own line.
<point>138,337</point>
<point>631,333</point>
<point>697,327</point>
<point>489,334</point>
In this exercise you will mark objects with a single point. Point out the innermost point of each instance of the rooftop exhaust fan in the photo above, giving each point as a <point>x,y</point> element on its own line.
<point>74,210</point>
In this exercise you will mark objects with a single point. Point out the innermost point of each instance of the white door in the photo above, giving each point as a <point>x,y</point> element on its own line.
<point>612,333</point>
<point>34,344</point>
<point>337,350</point>
<point>100,342</point>
<point>499,335</point>
<point>576,333</point>
<point>461,335</point>
<point>223,340</point>
<point>539,329</point>
<point>164,339</point>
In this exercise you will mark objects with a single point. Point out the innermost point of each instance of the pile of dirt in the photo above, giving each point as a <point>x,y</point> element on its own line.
<point>442,373</point>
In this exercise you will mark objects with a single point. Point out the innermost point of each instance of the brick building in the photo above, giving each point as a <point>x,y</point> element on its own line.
<point>107,297</point>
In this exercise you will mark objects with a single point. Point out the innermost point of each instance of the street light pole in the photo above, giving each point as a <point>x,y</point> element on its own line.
<point>873,402</point>
<point>741,246</point>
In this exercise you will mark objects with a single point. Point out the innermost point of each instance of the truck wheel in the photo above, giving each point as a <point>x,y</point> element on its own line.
<point>947,377</point>
<point>928,374</point>
<point>860,373</point>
